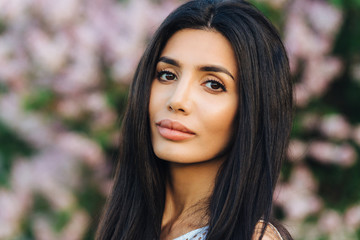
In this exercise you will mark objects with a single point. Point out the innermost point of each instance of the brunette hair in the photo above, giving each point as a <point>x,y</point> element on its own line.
<point>245,182</point>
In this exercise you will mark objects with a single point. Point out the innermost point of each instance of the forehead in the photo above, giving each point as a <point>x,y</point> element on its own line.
<point>201,47</point>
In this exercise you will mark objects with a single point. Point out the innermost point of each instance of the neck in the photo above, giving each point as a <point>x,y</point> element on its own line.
<point>187,193</point>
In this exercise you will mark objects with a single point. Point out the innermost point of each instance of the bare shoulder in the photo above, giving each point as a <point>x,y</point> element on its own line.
<point>271,233</point>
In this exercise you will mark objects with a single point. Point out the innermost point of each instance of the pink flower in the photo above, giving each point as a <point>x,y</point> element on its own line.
<point>352,217</point>
<point>82,148</point>
<point>335,126</point>
<point>329,153</point>
<point>50,53</point>
<point>69,108</point>
<point>297,198</point>
<point>59,13</point>
<point>319,73</point>
<point>77,226</point>
<point>296,150</point>
<point>12,211</point>
<point>30,126</point>
<point>325,18</point>
<point>14,11</point>
<point>356,134</point>
<point>300,41</point>
<point>302,95</point>
<point>42,228</point>
<point>277,4</point>
<point>330,221</point>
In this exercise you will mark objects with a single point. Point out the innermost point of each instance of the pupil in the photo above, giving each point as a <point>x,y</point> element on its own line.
<point>169,76</point>
<point>215,85</point>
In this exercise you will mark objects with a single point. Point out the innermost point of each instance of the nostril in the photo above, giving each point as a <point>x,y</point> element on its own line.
<point>175,109</point>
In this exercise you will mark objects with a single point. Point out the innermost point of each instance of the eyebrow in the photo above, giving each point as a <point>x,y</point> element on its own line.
<point>216,69</point>
<point>169,61</point>
<point>210,68</point>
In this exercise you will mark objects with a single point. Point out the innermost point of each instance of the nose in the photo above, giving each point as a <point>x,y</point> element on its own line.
<point>180,99</point>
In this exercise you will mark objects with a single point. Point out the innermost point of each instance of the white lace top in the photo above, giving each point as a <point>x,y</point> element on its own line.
<point>200,233</point>
<point>197,234</point>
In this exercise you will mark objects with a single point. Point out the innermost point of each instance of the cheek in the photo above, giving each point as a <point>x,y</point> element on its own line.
<point>220,118</point>
<point>218,128</point>
<point>158,97</point>
<point>154,100</point>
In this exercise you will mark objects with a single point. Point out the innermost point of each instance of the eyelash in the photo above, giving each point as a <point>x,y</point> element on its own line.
<point>160,73</point>
<point>222,86</point>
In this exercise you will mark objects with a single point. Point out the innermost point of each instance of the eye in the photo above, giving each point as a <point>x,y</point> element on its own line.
<point>216,86</point>
<point>166,76</point>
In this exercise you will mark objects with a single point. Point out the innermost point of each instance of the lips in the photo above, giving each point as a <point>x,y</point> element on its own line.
<point>174,130</point>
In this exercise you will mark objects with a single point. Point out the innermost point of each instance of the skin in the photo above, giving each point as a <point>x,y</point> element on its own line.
<point>188,93</point>
<point>196,87</point>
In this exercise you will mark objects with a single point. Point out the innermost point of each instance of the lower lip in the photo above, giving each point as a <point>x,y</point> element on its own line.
<point>174,135</point>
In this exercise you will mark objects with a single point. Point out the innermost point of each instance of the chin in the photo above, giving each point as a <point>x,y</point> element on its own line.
<point>181,158</point>
<point>177,158</point>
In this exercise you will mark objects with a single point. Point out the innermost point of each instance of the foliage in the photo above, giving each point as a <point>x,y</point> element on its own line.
<point>65,69</point>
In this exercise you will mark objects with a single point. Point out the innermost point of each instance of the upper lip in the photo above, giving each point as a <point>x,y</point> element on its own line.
<point>167,123</point>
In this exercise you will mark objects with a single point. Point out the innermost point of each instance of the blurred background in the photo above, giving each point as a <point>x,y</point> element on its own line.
<point>65,68</point>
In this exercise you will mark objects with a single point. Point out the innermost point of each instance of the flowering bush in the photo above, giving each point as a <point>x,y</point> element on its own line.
<point>65,67</point>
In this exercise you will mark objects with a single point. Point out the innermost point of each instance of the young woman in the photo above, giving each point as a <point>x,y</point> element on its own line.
<point>205,130</point>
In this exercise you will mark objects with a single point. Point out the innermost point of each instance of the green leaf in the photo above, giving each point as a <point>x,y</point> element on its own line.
<point>11,146</point>
<point>338,3</point>
<point>39,100</point>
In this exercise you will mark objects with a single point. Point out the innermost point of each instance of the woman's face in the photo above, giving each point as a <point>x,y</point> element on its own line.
<point>194,98</point>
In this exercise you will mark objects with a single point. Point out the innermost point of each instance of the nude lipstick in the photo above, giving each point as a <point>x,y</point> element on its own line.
<point>173,130</point>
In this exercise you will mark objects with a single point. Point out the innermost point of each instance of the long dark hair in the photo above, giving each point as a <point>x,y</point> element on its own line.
<point>245,182</point>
